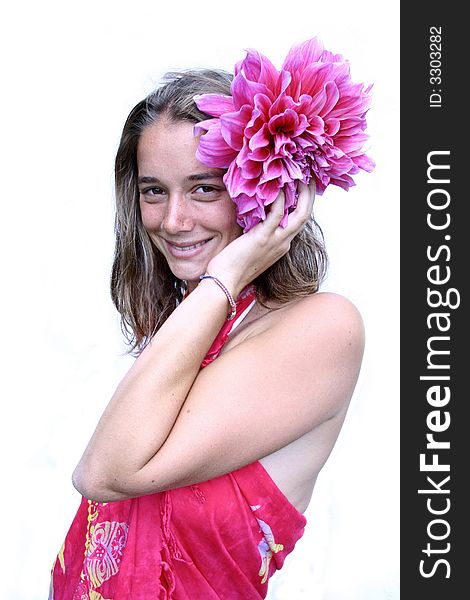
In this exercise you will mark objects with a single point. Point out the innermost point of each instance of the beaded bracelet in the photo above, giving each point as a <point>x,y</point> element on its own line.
<point>230,299</point>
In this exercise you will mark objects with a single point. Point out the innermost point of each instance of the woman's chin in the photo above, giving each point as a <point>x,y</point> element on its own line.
<point>189,274</point>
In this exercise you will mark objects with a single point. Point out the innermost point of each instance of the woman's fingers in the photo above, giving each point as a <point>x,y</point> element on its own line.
<point>265,243</point>
<point>297,218</point>
<point>303,211</point>
<point>304,208</point>
<point>276,212</point>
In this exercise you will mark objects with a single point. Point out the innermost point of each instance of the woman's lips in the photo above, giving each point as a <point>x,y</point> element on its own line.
<point>185,250</point>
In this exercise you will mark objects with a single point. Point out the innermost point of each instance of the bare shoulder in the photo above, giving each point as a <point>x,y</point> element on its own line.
<point>316,341</point>
<point>326,325</point>
<point>324,304</point>
<point>323,317</point>
<point>328,313</point>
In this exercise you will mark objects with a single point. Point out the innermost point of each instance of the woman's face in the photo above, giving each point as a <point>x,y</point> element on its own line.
<point>185,207</point>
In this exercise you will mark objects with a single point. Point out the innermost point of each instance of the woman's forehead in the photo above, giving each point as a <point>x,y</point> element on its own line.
<point>164,143</point>
<point>167,149</point>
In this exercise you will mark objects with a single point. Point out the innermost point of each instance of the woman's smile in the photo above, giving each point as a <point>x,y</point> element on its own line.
<point>187,249</point>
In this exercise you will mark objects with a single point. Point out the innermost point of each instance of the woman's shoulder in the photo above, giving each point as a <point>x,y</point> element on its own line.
<point>323,320</point>
<point>318,320</point>
<point>325,302</point>
<point>328,311</point>
<point>312,349</point>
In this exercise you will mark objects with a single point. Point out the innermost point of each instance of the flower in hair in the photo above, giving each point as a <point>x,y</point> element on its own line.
<point>279,128</point>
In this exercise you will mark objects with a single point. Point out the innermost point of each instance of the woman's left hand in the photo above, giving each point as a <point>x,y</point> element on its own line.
<point>246,257</point>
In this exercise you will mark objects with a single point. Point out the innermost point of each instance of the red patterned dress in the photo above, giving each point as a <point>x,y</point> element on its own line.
<point>220,539</point>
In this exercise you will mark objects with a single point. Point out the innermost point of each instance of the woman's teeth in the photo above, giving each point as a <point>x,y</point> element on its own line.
<point>192,247</point>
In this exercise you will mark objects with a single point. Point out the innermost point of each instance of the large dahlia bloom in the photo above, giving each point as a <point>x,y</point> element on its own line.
<point>282,127</point>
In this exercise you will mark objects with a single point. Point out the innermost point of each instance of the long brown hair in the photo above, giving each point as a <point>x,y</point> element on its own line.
<point>143,288</point>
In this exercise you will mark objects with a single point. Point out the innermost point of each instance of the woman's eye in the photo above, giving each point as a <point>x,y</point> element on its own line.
<point>205,189</point>
<point>208,192</point>
<point>151,193</point>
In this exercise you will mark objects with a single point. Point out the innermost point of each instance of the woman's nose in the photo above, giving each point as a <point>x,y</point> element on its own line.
<point>177,215</point>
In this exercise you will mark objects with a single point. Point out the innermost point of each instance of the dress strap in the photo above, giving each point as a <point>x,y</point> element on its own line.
<point>245,302</point>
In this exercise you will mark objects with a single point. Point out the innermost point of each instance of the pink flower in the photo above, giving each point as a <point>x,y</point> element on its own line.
<point>282,127</point>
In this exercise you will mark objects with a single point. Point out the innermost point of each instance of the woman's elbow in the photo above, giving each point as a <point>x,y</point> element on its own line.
<point>94,487</point>
<point>98,486</point>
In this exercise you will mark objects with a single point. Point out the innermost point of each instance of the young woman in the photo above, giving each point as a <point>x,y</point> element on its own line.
<point>196,478</point>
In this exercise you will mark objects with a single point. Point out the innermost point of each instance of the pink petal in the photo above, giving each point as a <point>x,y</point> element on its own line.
<point>237,182</point>
<point>203,126</point>
<point>262,104</point>
<point>351,143</point>
<point>250,211</point>
<point>233,126</point>
<point>332,126</point>
<point>287,122</point>
<point>314,78</point>
<point>251,170</point>
<point>254,124</point>
<point>246,203</point>
<point>332,97</point>
<point>351,126</point>
<point>283,145</point>
<point>317,126</point>
<point>212,150</point>
<point>214,104</point>
<point>292,169</point>
<point>291,194</point>
<point>257,67</point>
<point>283,82</point>
<point>261,138</point>
<point>364,162</point>
<point>300,55</point>
<point>243,91</point>
<point>269,191</point>
<point>281,104</point>
<point>351,106</point>
<point>272,169</point>
<point>341,75</point>
<point>261,154</point>
<point>344,182</point>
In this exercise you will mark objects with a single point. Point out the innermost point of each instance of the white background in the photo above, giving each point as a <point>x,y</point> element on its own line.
<point>72,72</point>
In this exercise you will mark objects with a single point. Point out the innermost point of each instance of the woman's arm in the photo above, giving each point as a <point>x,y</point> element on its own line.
<point>168,425</point>
<point>146,403</point>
